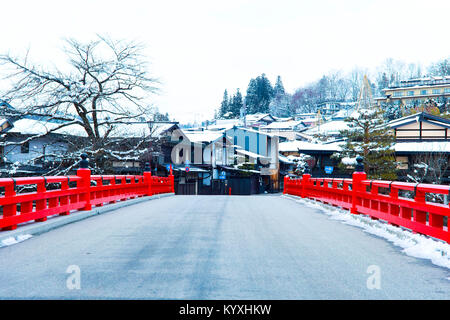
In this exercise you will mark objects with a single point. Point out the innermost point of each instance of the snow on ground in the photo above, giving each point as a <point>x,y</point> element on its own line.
<point>414,245</point>
<point>13,240</point>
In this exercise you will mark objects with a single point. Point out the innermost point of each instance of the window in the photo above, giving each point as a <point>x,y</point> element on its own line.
<point>402,162</point>
<point>247,143</point>
<point>436,91</point>
<point>447,90</point>
<point>25,147</point>
<point>410,93</point>
<point>398,94</point>
<point>423,92</point>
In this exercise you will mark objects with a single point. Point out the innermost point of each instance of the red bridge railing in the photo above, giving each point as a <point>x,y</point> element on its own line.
<point>380,200</point>
<point>67,193</point>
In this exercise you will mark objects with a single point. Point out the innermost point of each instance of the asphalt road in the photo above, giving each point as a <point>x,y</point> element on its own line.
<point>214,247</point>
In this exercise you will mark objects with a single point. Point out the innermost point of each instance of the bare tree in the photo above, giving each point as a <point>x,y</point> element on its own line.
<point>105,84</point>
<point>429,167</point>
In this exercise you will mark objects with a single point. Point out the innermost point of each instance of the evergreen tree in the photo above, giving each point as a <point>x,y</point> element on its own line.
<point>383,83</point>
<point>391,111</point>
<point>265,93</point>
<point>251,98</point>
<point>235,108</point>
<point>280,105</point>
<point>224,105</point>
<point>369,136</point>
<point>259,95</point>
<point>278,90</point>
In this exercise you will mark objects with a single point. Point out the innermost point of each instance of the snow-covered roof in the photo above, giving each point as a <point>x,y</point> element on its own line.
<point>424,146</point>
<point>311,119</point>
<point>130,130</point>
<point>203,136</point>
<point>422,116</point>
<point>291,124</point>
<point>224,124</point>
<point>251,154</point>
<point>283,119</point>
<point>158,129</point>
<point>28,126</point>
<point>308,146</point>
<point>331,127</point>
<point>258,117</point>
<point>343,113</point>
<point>285,159</point>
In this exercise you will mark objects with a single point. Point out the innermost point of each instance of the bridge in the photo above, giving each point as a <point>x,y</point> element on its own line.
<point>205,247</point>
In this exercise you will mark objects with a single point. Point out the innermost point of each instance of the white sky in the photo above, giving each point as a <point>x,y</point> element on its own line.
<point>200,48</point>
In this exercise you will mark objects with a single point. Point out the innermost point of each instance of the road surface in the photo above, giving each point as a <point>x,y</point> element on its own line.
<point>214,247</point>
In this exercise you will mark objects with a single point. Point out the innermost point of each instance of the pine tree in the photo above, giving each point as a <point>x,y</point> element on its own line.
<point>369,136</point>
<point>235,108</point>
<point>391,111</point>
<point>251,98</point>
<point>278,90</point>
<point>259,95</point>
<point>265,93</point>
<point>224,105</point>
<point>280,104</point>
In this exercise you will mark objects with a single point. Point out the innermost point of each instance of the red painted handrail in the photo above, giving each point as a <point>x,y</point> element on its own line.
<point>76,192</point>
<point>362,196</point>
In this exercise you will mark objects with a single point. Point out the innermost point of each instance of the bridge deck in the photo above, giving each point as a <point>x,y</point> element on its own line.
<point>215,247</point>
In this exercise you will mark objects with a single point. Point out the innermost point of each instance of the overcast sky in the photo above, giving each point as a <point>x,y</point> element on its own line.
<point>200,48</point>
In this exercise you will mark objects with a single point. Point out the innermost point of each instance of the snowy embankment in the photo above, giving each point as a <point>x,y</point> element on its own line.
<point>414,245</point>
<point>13,240</point>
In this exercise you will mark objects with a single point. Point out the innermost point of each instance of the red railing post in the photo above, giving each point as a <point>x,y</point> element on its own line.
<point>148,179</point>
<point>419,215</point>
<point>10,210</point>
<point>172,180</point>
<point>85,174</point>
<point>64,200</point>
<point>357,186</point>
<point>304,183</point>
<point>42,203</point>
<point>286,179</point>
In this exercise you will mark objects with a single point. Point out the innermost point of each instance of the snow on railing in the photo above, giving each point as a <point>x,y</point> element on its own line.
<point>76,192</point>
<point>380,200</point>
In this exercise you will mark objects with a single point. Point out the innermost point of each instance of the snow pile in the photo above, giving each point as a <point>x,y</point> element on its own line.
<point>13,240</point>
<point>413,245</point>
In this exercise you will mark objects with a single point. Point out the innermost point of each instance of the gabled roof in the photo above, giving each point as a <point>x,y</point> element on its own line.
<point>6,104</point>
<point>204,136</point>
<point>420,117</point>
<point>258,117</point>
<point>330,127</point>
<point>34,126</point>
<point>290,124</point>
<point>302,146</point>
<point>159,129</point>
